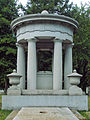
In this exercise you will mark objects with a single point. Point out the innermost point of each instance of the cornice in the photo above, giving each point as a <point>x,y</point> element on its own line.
<point>29,19</point>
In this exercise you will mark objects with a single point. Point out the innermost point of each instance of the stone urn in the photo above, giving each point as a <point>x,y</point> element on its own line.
<point>74,81</point>
<point>74,78</point>
<point>14,80</point>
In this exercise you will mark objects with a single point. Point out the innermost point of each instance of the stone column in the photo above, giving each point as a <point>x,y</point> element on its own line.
<point>21,64</point>
<point>31,66</point>
<point>57,71</point>
<point>67,65</point>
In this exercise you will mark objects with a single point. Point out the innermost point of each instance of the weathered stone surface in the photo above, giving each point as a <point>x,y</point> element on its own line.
<point>45,114</point>
<point>17,102</point>
<point>44,92</point>
<point>74,90</point>
<point>14,92</point>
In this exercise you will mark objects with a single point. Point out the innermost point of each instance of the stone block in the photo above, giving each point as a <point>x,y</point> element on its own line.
<point>44,92</point>
<point>74,90</point>
<point>17,102</point>
<point>14,92</point>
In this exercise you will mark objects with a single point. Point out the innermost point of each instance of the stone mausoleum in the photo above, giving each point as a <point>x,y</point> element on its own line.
<point>32,87</point>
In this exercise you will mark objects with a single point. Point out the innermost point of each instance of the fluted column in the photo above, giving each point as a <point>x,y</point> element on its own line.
<point>57,70</point>
<point>32,64</point>
<point>21,64</point>
<point>67,65</point>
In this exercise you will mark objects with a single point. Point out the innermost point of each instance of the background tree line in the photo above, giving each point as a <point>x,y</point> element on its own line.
<point>9,10</point>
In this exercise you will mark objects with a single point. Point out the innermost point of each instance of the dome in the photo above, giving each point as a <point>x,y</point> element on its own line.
<point>44,12</point>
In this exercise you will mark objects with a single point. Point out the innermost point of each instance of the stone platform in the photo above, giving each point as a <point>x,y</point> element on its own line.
<point>45,92</point>
<point>17,102</point>
<point>42,113</point>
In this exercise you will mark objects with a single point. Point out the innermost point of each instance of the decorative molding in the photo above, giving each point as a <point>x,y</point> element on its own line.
<point>19,45</point>
<point>66,45</point>
<point>45,31</point>
<point>57,39</point>
<point>43,17</point>
<point>32,39</point>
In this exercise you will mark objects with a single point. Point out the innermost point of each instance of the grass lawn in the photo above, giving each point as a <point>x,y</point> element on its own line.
<point>5,113</point>
<point>87,114</point>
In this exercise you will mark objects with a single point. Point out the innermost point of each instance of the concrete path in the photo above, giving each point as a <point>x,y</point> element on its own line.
<point>45,113</point>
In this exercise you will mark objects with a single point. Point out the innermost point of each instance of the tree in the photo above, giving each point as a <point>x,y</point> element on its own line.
<point>8,12</point>
<point>81,50</point>
<point>52,6</point>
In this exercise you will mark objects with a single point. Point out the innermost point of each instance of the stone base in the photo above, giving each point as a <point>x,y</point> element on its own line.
<point>15,92</point>
<point>75,90</point>
<point>17,102</point>
<point>45,92</point>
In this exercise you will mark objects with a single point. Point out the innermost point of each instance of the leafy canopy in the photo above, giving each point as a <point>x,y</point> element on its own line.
<point>8,12</point>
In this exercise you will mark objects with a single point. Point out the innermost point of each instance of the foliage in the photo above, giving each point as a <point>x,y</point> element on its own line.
<point>52,6</point>
<point>81,50</point>
<point>8,12</point>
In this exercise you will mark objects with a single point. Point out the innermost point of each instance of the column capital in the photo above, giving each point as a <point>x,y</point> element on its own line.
<point>68,45</point>
<point>19,45</point>
<point>32,39</point>
<point>57,39</point>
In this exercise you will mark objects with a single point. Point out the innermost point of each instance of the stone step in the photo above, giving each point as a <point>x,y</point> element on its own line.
<point>44,92</point>
<point>45,113</point>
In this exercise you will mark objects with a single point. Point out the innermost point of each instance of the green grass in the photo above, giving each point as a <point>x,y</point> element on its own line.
<point>89,103</point>
<point>3,113</point>
<point>84,113</point>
